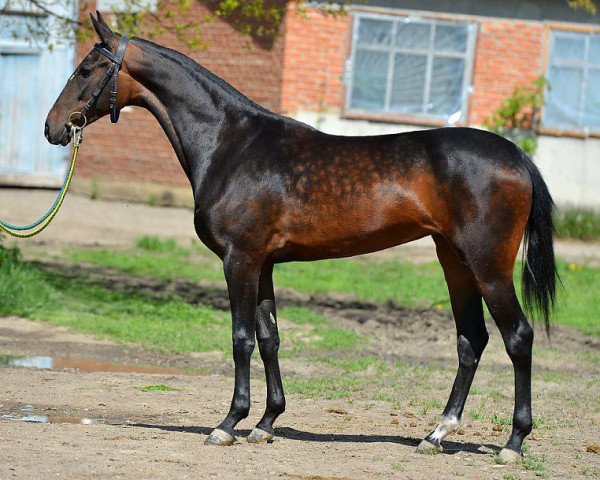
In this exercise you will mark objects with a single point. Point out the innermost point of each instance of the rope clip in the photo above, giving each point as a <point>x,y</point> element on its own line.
<point>76,135</point>
<point>77,130</point>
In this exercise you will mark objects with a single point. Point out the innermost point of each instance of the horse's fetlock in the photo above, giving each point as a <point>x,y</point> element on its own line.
<point>241,408</point>
<point>276,406</point>
<point>523,423</point>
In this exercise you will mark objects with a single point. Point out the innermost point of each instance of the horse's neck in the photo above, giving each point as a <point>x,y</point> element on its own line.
<point>196,112</point>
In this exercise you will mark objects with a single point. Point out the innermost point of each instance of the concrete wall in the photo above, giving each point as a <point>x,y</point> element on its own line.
<point>571,168</point>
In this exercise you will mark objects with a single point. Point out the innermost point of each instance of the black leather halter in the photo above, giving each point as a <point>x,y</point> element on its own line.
<point>112,72</point>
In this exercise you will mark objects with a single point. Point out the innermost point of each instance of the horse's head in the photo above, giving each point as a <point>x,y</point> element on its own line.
<point>80,88</point>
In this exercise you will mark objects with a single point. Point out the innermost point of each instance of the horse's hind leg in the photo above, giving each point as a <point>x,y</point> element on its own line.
<point>492,267</point>
<point>517,334</point>
<point>268,345</point>
<point>472,338</point>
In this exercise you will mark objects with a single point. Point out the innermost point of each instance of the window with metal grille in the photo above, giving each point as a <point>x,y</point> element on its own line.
<point>410,67</point>
<point>572,99</point>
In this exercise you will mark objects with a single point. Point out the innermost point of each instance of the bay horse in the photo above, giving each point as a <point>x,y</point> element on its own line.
<point>269,189</point>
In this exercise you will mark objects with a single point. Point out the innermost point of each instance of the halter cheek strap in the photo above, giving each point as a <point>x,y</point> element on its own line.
<point>111,73</point>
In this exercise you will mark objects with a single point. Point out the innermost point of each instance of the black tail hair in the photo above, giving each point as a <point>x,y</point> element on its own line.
<point>540,276</point>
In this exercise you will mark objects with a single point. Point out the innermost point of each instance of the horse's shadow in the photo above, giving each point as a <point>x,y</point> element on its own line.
<point>450,448</point>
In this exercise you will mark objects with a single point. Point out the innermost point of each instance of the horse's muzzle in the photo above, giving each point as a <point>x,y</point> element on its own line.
<point>62,137</point>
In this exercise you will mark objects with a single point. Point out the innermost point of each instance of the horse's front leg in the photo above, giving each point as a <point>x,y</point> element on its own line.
<point>268,344</point>
<point>241,274</point>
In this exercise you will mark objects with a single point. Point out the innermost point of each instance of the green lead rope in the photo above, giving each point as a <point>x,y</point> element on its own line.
<point>26,231</point>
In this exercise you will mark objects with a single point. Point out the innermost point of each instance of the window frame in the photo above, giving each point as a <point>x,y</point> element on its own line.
<point>568,28</point>
<point>19,46</point>
<point>396,16</point>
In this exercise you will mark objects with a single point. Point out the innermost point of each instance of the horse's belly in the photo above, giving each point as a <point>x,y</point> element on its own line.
<point>351,228</point>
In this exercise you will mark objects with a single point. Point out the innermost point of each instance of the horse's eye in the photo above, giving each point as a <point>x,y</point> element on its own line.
<point>85,72</point>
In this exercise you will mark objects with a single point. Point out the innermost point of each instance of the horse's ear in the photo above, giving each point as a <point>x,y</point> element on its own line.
<point>102,29</point>
<point>101,20</point>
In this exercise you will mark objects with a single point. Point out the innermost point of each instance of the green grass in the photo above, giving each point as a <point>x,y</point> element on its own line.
<point>501,420</point>
<point>535,464</point>
<point>405,283</point>
<point>477,415</point>
<point>158,388</point>
<point>369,364</point>
<point>320,334</point>
<point>402,282</point>
<point>21,289</point>
<point>329,387</point>
<point>155,244</point>
<point>161,324</point>
<point>163,264</point>
<point>577,305</point>
<point>166,325</point>
<point>578,223</point>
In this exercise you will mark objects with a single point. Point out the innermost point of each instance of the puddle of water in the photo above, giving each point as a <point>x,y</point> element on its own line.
<point>28,414</point>
<point>87,365</point>
<point>46,419</point>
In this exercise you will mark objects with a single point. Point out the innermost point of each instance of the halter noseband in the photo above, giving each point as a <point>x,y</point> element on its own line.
<point>112,72</point>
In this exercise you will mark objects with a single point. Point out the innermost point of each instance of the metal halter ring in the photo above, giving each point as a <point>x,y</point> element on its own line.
<point>80,116</point>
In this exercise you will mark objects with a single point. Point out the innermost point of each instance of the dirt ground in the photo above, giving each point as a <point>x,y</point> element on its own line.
<point>89,417</point>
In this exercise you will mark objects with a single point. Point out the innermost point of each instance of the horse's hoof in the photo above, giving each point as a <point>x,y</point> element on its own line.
<point>429,448</point>
<point>219,437</point>
<point>259,436</point>
<point>507,456</point>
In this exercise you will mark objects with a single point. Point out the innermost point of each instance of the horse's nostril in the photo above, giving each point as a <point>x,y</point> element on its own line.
<point>46,130</point>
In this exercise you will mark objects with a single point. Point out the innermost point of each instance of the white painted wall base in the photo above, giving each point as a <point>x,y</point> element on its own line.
<point>570,166</point>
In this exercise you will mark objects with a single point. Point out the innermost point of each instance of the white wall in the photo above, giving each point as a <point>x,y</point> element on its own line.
<point>570,166</point>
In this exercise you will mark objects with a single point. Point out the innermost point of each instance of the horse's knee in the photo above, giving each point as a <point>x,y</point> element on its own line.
<point>243,346</point>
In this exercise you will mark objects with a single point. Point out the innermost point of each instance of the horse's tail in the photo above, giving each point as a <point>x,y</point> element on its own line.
<point>540,276</point>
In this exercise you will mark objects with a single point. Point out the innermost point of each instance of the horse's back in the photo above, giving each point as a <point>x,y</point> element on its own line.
<point>350,195</point>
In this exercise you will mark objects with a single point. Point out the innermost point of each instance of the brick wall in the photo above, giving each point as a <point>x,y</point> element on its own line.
<point>508,54</point>
<point>313,65</point>
<point>136,149</point>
